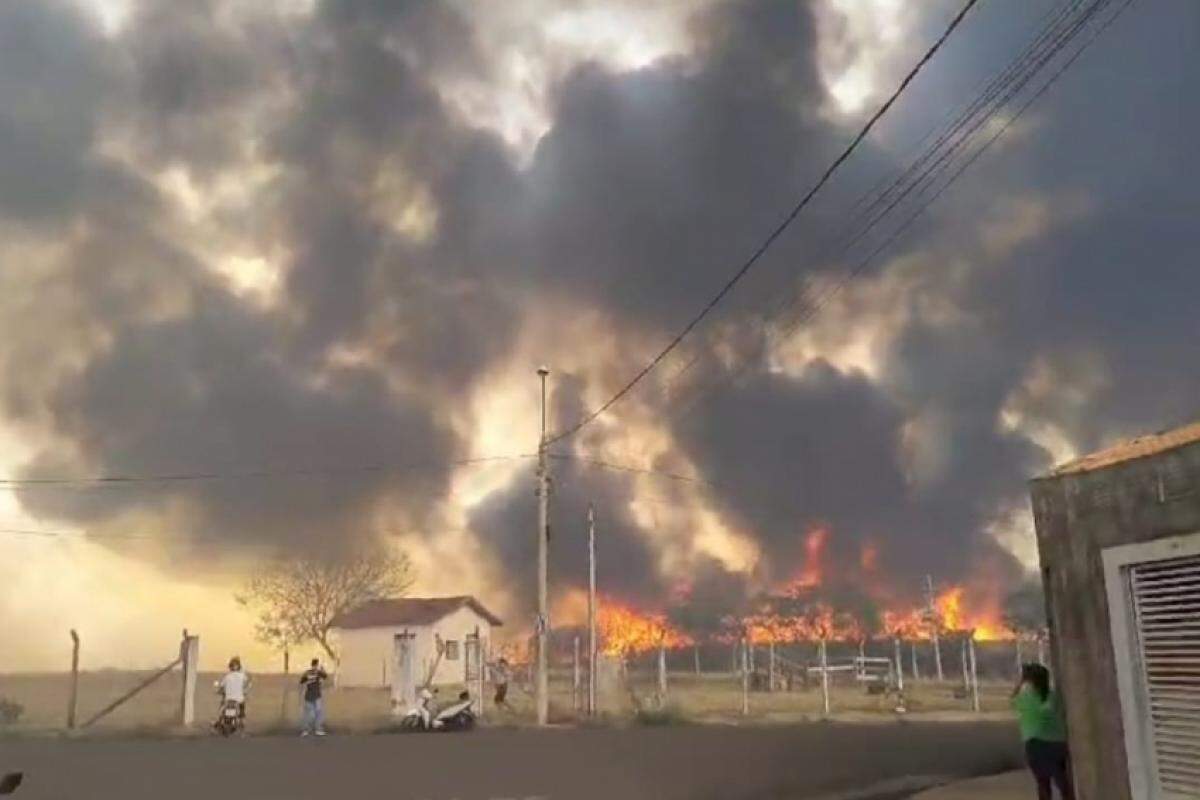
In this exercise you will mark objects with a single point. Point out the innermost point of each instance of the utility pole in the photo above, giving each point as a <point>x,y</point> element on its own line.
<point>575,678</point>
<point>591,705</point>
<point>542,687</point>
<point>745,678</point>
<point>935,624</point>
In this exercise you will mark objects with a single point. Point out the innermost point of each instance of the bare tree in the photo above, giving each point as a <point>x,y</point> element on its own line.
<point>297,600</point>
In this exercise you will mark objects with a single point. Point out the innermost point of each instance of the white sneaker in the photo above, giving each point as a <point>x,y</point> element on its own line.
<point>304,733</point>
<point>320,733</point>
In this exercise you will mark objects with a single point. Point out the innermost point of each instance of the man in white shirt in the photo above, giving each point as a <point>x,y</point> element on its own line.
<point>233,686</point>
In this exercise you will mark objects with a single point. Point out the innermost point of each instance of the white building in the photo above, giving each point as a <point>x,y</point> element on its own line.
<point>365,638</point>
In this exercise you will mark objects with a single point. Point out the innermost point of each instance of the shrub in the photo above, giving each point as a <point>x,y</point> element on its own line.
<point>10,711</point>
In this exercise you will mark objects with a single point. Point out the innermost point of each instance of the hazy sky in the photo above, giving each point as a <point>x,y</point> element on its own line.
<point>256,239</point>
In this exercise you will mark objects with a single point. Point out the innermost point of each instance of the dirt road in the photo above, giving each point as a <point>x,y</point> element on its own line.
<point>667,763</point>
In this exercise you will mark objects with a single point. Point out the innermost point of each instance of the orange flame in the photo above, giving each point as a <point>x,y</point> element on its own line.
<point>625,631</point>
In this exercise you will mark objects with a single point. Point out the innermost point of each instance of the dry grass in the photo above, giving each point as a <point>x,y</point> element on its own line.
<point>274,704</point>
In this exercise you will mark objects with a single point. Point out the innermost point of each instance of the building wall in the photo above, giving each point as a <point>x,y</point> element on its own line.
<point>1077,517</point>
<point>366,653</point>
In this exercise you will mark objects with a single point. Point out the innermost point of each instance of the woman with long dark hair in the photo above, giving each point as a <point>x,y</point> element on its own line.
<point>1040,716</point>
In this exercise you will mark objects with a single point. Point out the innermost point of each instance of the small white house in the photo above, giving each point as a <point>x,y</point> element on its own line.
<point>365,638</point>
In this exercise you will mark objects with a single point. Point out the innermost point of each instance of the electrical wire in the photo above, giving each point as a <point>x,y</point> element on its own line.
<point>774,235</point>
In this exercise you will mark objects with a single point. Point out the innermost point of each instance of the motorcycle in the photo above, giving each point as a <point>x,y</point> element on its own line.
<point>230,720</point>
<point>458,716</point>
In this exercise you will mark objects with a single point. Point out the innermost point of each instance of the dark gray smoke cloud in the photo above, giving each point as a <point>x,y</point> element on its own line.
<point>1053,283</point>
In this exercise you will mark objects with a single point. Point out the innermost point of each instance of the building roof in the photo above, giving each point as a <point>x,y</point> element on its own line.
<point>1130,449</point>
<point>410,611</point>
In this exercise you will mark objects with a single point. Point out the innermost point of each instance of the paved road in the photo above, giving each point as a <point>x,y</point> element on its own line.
<point>668,763</point>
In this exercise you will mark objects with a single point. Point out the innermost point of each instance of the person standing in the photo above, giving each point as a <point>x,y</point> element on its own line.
<point>313,680</point>
<point>501,674</point>
<point>1044,731</point>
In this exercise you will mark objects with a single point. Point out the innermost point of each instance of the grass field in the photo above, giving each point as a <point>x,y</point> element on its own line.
<point>274,705</point>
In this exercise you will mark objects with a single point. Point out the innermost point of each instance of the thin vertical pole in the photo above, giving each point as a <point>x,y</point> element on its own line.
<point>899,667</point>
<point>745,678</point>
<point>935,625</point>
<point>974,672</point>
<point>965,674</point>
<point>542,687</point>
<point>662,674</point>
<point>591,609</point>
<point>575,677</point>
<point>1020,655</point>
<point>824,678</point>
<point>771,666</point>
<point>916,671</point>
<point>73,702</point>
<point>696,657</point>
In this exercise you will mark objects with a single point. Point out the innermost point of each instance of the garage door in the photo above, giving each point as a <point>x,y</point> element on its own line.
<point>1166,600</point>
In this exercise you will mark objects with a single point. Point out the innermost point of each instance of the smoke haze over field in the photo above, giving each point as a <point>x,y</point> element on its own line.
<point>257,240</point>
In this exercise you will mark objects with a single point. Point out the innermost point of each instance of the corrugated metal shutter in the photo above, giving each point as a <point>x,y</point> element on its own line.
<point>1166,598</point>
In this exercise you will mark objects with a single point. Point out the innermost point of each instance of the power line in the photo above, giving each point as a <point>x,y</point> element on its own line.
<point>596,462</point>
<point>191,477</point>
<point>774,235</point>
<point>1015,81</point>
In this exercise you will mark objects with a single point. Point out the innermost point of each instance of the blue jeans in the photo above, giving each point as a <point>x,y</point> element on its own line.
<point>313,718</point>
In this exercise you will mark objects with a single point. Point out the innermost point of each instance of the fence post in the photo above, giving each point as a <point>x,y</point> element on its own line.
<point>74,701</point>
<point>745,678</point>
<point>189,659</point>
<point>899,667</point>
<point>916,671</point>
<point>824,677</point>
<point>974,672</point>
<point>771,666</point>
<point>575,677</point>
<point>662,674</point>
<point>696,657</point>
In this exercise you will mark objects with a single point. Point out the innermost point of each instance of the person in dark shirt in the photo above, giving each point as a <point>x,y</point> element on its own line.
<point>312,681</point>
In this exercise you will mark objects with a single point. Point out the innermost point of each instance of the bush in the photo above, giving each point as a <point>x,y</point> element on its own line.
<point>660,716</point>
<point>10,711</point>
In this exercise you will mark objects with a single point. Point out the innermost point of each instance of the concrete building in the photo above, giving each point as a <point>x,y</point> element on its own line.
<point>366,639</point>
<point>1119,537</point>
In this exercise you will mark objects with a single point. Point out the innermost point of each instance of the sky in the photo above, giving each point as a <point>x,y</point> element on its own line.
<point>315,250</point>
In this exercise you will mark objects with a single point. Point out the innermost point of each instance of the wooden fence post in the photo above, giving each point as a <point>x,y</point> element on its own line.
<point>74,701</point>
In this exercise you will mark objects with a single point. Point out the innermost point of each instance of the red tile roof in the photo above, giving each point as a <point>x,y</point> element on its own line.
<point>1130,449</point>
<point>410,611</point>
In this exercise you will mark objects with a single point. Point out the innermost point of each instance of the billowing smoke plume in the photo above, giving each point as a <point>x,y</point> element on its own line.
<point>262,239</point>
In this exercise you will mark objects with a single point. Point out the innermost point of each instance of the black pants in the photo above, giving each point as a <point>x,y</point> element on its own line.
<point>1050,763</point>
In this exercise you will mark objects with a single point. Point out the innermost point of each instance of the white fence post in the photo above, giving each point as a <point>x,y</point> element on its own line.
<point>824,678</point>
<point>189,658</point>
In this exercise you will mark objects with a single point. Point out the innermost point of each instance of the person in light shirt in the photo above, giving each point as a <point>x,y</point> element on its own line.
<point>234,685</point>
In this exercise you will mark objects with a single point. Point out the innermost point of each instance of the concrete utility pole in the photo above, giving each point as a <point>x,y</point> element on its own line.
<point>899,667</point>
<point>771,666</point>
<point>591,707</point>
<point>916,671</point>
<point>935,624</point>
<point>542,687</point>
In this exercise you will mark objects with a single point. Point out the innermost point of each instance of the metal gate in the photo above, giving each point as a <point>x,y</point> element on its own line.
<point>1166,597</point>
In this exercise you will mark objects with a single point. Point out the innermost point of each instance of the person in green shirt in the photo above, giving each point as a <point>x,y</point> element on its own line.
<point>1044,731</point>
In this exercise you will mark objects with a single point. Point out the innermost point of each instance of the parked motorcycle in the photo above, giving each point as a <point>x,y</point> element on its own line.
<point>458,716</point>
